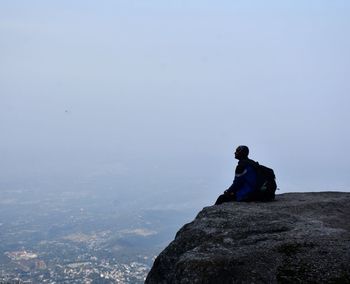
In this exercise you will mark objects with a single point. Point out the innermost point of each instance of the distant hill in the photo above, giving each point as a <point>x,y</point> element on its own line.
<point>299,238</point>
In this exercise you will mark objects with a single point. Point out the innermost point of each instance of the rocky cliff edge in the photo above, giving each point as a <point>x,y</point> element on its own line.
<point>298,238</point>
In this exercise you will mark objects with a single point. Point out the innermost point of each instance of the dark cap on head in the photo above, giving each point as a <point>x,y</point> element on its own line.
<point>242,152</point>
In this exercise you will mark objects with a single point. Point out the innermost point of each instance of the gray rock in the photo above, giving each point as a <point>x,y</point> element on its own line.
<point>298,238</point>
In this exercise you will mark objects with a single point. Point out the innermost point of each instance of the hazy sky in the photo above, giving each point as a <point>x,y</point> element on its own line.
<point>161,92</point>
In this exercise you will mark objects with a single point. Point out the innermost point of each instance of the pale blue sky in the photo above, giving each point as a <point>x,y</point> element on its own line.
<point>143,89</point>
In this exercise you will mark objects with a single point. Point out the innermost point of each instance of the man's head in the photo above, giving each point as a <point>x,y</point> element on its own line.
<point>242,152</point>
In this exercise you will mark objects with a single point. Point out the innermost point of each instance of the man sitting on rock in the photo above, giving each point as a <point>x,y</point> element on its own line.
<point>244,183</point>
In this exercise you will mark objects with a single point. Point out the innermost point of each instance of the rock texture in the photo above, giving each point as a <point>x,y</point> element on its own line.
<point>299,238</point>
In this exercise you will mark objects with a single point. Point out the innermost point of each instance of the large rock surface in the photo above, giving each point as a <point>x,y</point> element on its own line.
<point>299,238</point>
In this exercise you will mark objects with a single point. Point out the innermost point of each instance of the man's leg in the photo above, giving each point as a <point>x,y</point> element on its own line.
<point>225,198</point>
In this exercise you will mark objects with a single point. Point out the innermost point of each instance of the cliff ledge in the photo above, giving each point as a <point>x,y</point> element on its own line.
<point>299,238</point>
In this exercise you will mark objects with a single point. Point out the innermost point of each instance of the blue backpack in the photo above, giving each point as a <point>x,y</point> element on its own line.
<point>266,183</point>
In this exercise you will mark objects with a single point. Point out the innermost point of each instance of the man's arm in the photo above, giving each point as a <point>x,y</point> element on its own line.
<point>238,180</point>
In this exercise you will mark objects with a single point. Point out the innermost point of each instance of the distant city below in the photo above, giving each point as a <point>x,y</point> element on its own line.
<point>79,238</point>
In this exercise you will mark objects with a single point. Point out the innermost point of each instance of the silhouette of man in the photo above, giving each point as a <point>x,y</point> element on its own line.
<point>244,183</point>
